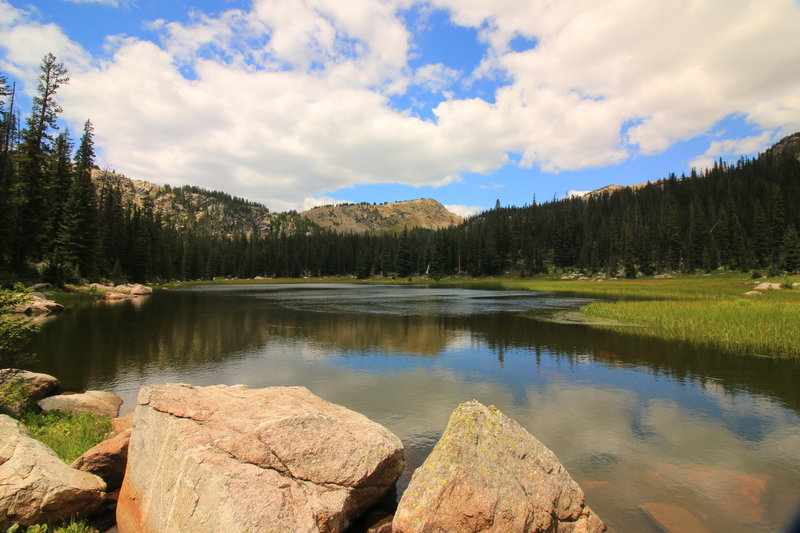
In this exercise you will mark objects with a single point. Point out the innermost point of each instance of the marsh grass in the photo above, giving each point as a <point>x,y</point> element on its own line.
<point>768,326</point>
<point>704,310</point>
<point>69,435</point>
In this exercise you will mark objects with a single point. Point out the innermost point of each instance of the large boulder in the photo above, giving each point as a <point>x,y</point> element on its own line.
<point>19,388</point>
<point>36,486</point>
<point>117,296</point>
<point>37,386</point>
<point>207,459</point>
<point>107,460</point>
<point>118,425</point>
<point>141,290</point>
<point>38,306</point>
<point>94,401</point>
<point>488,474</point>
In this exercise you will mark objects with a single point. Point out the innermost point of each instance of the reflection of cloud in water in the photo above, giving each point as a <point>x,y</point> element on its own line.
<point>611,406</point>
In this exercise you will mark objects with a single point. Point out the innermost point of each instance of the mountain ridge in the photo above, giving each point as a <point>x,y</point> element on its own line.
<point>391,216</point>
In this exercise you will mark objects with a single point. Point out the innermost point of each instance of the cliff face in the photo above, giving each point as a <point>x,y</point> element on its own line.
<point>193,208</point>
<point>369,218</point>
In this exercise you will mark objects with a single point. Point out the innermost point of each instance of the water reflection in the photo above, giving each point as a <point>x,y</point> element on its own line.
<point>635,420</point>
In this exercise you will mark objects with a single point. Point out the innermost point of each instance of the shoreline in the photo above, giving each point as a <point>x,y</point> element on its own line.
<point>702,309</point>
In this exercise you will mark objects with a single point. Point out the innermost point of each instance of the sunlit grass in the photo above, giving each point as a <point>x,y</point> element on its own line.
<point>69,435</point>
<point>706,310</point>
<point>766,325</point>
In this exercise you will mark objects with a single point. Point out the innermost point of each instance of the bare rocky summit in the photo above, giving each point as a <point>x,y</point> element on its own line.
<point>209,459</point>
<point>371,218</point>
<point>194,208</point>
<point>488,474</point>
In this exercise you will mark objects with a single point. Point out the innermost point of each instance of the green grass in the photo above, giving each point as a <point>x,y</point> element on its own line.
<point>71,527</point>
<point>69,435</point>
<point>704,310</point>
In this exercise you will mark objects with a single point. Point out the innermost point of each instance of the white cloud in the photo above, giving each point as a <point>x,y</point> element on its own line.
<point>732,147</point>
<point>677,68</point>
<point>291,99</point>
<point>576,194</point>
<point>464,210</point>
<point>27,41</point>
<point>312,202</point>
<point>493,186</point>
<point>436,77</point>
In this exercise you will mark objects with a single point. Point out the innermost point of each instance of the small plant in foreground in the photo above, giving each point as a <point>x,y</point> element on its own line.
<point>14,398</point>
<point>72,527</point>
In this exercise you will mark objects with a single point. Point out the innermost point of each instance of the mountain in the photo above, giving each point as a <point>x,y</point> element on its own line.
<point>370,218</point>
<point>193,208</point>
<point>609,189</point>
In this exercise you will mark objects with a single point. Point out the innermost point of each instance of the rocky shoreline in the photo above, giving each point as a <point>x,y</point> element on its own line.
<point>230,458</point>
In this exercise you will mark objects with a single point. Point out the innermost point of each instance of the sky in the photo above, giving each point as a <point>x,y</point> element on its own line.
<point>296,103</point>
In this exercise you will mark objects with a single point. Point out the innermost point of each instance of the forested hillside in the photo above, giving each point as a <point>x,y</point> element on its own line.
<point>61,220</point>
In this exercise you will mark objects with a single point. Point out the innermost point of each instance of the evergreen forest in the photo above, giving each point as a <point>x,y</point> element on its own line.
<point>58,224</point>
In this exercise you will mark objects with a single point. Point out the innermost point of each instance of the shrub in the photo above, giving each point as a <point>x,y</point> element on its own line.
<point>15,332</point>
<point>14,398</point>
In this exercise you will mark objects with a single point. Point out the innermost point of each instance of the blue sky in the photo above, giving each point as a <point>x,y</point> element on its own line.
<point>301,102</point>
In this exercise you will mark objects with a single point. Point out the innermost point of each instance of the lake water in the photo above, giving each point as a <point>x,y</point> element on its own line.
<point>635,421</point>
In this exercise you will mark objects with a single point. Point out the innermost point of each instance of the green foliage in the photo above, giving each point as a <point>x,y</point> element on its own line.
<point>71,527</point>
<point>68,434</point>
<point>14,398</point>
<point>15,331</point>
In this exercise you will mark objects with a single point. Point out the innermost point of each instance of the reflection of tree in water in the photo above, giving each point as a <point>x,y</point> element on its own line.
<point>100,341</point>
<point>187,329</point>
<point>773,377</point>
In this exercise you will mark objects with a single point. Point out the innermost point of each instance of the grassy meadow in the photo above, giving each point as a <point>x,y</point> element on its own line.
<point>702,309</point>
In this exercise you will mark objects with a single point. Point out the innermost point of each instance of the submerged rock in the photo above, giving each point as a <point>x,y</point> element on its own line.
<point>488,474</point>
<point>94,401</point>
<point>36,486</point>
<point>274,459</point>
<point>673,519</point>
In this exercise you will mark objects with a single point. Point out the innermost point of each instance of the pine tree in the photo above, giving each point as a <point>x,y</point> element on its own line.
<point>32,231</point>
<point>78,236</point>
<point>60,172</point>
<point>790,254</point>
<point>402,262</point>
<point>7,134</point>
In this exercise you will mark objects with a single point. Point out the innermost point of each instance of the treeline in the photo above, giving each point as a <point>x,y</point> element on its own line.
<point>56,225</point>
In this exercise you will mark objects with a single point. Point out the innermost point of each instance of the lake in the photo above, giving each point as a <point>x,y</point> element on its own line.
<point>635,421</point>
